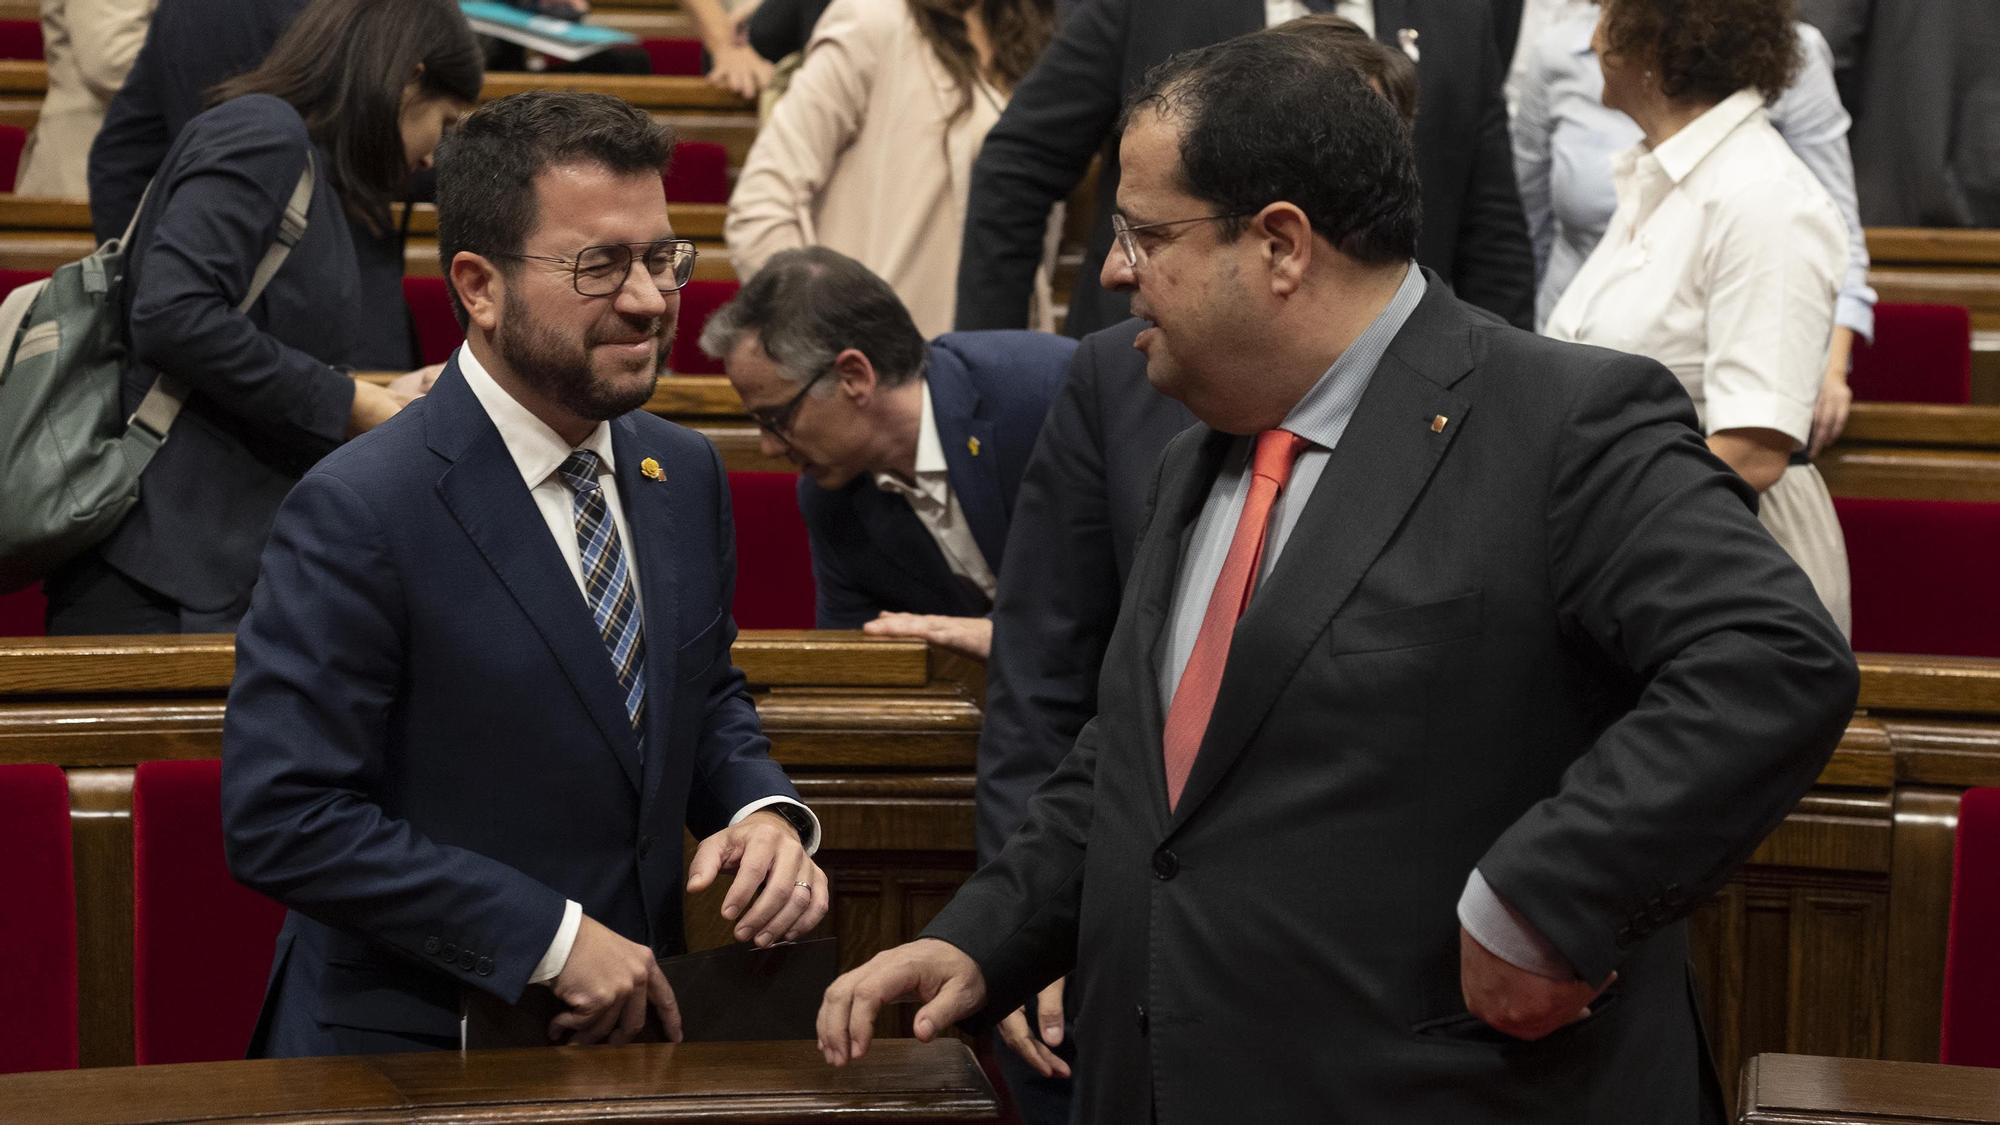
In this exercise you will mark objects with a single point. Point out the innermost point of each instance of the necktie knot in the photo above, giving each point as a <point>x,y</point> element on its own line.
<point>1277,451</point>
<point>579,471</point>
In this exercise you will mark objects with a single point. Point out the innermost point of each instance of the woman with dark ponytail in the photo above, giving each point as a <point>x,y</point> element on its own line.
<point>870,150</point>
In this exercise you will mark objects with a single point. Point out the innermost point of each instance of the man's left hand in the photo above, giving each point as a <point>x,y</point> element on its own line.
<point>969,636</point>
<point>1513,1000</point>
<point>779,893</point>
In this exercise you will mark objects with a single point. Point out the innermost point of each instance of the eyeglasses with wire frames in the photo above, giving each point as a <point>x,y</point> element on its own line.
<point>778,423</point>
<point>1124,231</point>
<point>600,271</point>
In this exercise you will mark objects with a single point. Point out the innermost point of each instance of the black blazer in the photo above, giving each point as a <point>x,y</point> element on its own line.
<point>264,399</point>
<point>989,392</point>
<point>1548,639</point>
<point>191,46</point>
<point>1076,524</point>
<point>1473,234</point>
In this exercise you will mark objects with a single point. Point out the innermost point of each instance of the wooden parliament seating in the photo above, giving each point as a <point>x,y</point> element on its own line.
<point>1970,1035</point>
<point>38,923</point>
<point>1922,573</point>
<point>878,734</point>
<point>899,1081</point>
<point>1782,1089</point>
<point>1831,940</point>
<point>1945,267</point>
<point>1921,353</point>
<point>1916,451</point>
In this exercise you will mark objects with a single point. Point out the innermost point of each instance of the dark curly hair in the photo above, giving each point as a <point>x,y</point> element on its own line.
<point>1706,50</point>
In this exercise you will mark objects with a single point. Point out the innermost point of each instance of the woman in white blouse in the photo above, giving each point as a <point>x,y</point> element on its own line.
<point>870,150</point>
<point>1724,254</point>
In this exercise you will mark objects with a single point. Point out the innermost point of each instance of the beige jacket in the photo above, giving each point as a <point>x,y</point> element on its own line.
<point>857,157</point>
<point>90,45</point>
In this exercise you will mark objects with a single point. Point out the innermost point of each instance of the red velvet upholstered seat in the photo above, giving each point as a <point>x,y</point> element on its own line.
<point>774,581</point>
<point>674,56</point>
<point>23,613</point>
<point>430,311</point>
<point>1970,1035</point>
<point>201,941</point>
<point>698,300</point>
<point>13,139</point>
<point>21,39</point>
<point>1921,353</point>
<point>11,280</point>
<point>38,923</point>
<point>1923,575</point>
<point>698,173</point>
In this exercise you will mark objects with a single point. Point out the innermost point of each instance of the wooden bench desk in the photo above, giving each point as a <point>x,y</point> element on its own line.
<point>900,1080</point>
<point>1916,451</point>
<point>1946,267</point>
<point>1810,1090</point>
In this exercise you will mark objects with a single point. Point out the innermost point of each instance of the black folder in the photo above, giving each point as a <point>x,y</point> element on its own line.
<point>736,992</point>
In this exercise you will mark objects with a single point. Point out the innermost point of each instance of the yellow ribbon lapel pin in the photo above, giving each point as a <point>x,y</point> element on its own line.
<point>972,446</point>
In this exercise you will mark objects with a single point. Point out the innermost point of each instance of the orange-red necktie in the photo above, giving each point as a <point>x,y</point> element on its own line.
<point>1194,696</point>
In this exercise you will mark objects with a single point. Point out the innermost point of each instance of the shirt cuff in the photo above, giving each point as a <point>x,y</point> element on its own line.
<point>1506,934</point>
<point>551,965</point>
<point>812,838</point>
<point>1856,311</point>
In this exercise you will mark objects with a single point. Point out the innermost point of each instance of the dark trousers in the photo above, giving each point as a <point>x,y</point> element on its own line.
<point>88,597</point>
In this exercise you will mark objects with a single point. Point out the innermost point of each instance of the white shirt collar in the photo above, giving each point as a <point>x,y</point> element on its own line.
<point>930,449</point>
<point>1681,153</point>
<point>536,449</point>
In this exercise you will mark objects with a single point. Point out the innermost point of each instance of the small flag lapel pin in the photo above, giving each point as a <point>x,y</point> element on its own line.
<point>1438,423</point>
<point>651,469</point>
<point>972,446</point>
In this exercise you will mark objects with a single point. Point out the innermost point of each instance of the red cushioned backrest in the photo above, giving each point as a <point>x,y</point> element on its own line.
<point>698,300</point>
<point>1923,575</point>
<point>1970,1034</point>
<point>774,581</point>
<point>1921,353</point>
<point>674,56</point>
<point>23,613</point>
<point>13,139</point>
<point>698,173</point>
<point>430,311</point>
<point>20,39</point>
<point>11,280</point>
<point>37,921</point>
<point>201,941</point>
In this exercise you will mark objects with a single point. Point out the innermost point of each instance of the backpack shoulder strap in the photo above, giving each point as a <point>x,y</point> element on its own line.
<point>149,424</point>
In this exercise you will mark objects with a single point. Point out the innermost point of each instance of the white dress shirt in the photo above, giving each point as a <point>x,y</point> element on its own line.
<point>1565,139</point>
<point>538,451</point>
<point>1361,12</point>
<point>937,509</point>
<point>1721,262</point>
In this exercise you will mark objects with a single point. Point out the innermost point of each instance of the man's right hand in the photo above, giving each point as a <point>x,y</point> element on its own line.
<point>606,984</point>
<point>373,405</point>
<point>1039,1050</point>
<point>936,972</point>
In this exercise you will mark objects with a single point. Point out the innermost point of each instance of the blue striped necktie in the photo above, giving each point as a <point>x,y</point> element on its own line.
<point>607,582</point>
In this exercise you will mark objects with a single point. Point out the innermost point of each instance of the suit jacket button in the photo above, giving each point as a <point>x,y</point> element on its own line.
<point>1144,1024</point>
<point>466,960</point>
<point>1166,864</point>
<point>449,951</point>
<point>485,967</point>
<point>430,945</point>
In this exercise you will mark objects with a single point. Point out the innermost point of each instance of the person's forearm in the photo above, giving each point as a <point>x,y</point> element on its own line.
<point>1760,457</point>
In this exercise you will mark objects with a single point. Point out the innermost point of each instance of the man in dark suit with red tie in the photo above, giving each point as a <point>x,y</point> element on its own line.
<point>1451,673</point>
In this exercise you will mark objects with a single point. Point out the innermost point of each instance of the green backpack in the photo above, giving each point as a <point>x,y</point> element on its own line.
<point>69,460</point>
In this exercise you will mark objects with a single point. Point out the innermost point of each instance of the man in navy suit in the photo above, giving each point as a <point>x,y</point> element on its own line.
<point>484,681</point>
<point>912,453</point>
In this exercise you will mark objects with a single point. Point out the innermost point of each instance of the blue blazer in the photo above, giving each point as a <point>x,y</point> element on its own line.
<point>870,552</point>
<point>426,751</point>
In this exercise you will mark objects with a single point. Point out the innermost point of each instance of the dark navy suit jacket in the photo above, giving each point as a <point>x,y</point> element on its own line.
<point>191,46</point>
<point>426,752</point>
<point>870,552</point>
<point>265,401</point>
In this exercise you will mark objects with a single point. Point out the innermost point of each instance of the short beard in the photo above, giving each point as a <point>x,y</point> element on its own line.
<point>541,357</point>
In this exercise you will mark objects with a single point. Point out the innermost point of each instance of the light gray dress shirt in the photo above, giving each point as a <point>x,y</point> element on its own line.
<point>1565,139</point>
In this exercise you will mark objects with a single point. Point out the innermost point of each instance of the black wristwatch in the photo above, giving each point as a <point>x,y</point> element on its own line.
<point>797,815</point>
